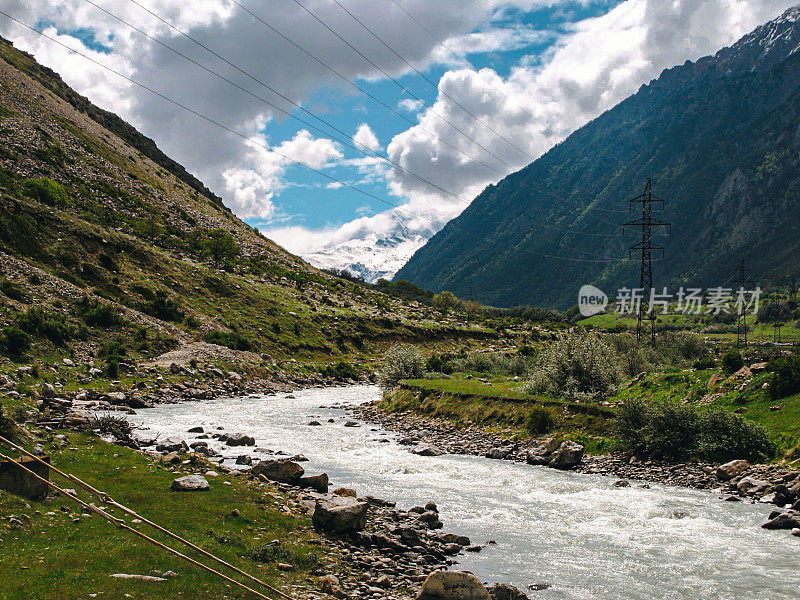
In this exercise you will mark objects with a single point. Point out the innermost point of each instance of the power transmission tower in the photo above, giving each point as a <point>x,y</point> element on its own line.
<point>646,247</point>
<point>741,321</point>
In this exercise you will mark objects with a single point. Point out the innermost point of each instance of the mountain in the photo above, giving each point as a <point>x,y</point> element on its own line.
<point>372,255</point>
<point>108,245</point>
<point>720,139</point>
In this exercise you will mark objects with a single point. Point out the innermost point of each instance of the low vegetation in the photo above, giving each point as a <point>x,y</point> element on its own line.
<point>402,361</point>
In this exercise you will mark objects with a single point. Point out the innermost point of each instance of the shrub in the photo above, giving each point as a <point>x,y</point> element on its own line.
<point>163,307</point>
<point>402,361</point>
<point>731,361</point>
<point>97,314</point>
<point>438,364</point>
<point>7,426</point>
<point>47,191</point>
<point>13,290</point>
<point>540,421</point>
<point>52,325</point>
<point>112,368</point>
<point>340,370</point>
<point>14,341</point>
<point>444,302</point>
<point>113,350</point>
<point>232,340</point>
<point>577,366</point>
<point>786,378</point>
<point>707,362</point>
<point>670,430</point>
<point>492,362</point>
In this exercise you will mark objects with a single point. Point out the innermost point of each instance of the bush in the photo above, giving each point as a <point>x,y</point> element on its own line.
<point>402,361</point>
<point>47,191</point>
<point>492,362</point>
<point>669,430</point>
<point>540,421</point>
<point>112,368</point>
<point>786,378</point>
<point>163,307</point>
<point>7,426</point>
<point>577,366</point>
<point>96,314</point>
<point>14,341</point>
<point>52,325</point>
<point>114,350</point>
<point>13,290</point>
<point>731,361</point>
<point>340,370</point>
<point>438,364</point>
<point>232,340</point>
<point>707,362</point>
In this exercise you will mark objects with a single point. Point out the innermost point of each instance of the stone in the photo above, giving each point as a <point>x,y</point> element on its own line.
<point>452,585</point>
<point>340,514</point>
<point>244,459</point>
<point>342,491</point>
<point>452,538</point>
<point>197,429</point>
<point>751,485</point>
<point>281,470</point>
<point>536,459</point>
<point>171,444</point>
<point>329,584</point>
<point>67,362</point>
<point>622,483</point>
<point>172,458</point>
<point>568,456</point>
<point>314,424</point>
<point>46,390</point>
<point>426,450</point>
<point>503,591</point>
<point>785,520</point>
<point>237,439</point>
<point>190,483</point>
<point>318,483</point>
<point>19,482</point>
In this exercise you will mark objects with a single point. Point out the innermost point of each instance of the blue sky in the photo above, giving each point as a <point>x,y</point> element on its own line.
<point>538,70</point>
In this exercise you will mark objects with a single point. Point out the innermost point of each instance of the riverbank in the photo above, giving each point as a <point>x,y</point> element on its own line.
<point>766,483</point>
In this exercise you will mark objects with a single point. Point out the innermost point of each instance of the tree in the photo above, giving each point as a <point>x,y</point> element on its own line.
<point>472,309</point>
<point>221,246</point>
<point>444,302</point>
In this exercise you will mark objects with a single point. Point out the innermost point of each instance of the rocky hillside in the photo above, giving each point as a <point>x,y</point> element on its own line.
<point>109,246</point>
<point>719,138</point>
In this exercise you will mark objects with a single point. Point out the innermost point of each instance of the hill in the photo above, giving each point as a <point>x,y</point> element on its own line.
<point>106,240</point>
<point>719,139</point>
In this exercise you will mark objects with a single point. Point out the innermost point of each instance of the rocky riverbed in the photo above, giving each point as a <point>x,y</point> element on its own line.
<point>738,480</point>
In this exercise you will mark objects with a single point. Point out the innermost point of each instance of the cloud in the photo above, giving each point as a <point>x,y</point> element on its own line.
<point>410,105</point>
<point>365,137</point>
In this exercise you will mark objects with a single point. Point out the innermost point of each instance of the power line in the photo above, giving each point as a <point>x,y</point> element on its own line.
<point>427,79</point>
<point>365,91</point>
<point>398,84</point>
<point>345,141</point>
<point>214,122</point>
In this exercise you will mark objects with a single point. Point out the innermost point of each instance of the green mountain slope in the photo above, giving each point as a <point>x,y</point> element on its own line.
<point>719,138</point>
<point>105,239</point>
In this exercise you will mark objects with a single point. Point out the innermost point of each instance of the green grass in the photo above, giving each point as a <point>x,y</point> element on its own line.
<point>464,402</point>
<point>52,558</point>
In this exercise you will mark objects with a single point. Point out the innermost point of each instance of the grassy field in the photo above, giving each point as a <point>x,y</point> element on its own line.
<point>54,557</point>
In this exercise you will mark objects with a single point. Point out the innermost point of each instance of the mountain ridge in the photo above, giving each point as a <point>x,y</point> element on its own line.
<point>701,122</point>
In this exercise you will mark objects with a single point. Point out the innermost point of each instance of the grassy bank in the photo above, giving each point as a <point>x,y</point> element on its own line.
<point>53,556</point>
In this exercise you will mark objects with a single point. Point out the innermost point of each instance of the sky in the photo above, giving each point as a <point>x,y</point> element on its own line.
<point>363,126</point>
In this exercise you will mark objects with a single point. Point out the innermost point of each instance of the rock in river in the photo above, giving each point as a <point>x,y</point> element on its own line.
<point>281,470</point>
<point>425,450</point>
<point>568,456</point>
<point>340,514</point>
<point>237,439</point>
<point>502,591</point>
<point>453,585</point>
<point>190,483</point>
<point>732,469</point>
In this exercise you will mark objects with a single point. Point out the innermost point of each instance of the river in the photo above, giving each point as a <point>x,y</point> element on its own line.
<point>577,533</point>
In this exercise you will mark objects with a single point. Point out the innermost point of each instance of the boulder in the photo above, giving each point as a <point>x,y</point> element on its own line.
<point>190,483</point>
<point>47,391</point>
<point>171,444</point>
<point>452,538</point>
<point>237,439</point>
<point>197,429</point>
<point>751,485</point>
<point>340,514</point>
<point>342,491</point>
<point>281,470</point>
<point>503,591</point>
<point>318,483</point>
<point>785,520</point>
<point>426,450</point>
<point>452,585</point>
<point>329,584</point>
<point>568,456</point>
<point>732,469</point>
